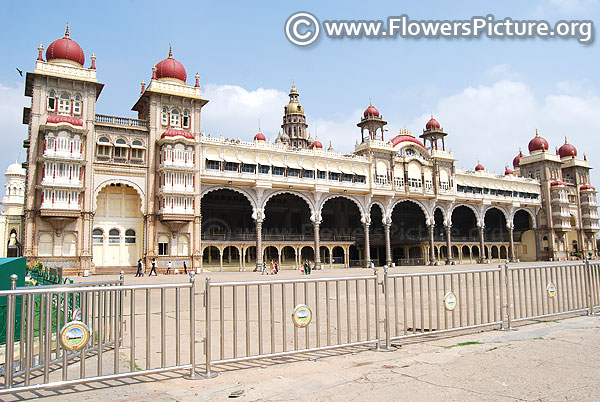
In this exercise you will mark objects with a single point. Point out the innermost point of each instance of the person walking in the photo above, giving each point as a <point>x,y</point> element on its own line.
<point>169,266</point>
<point>139,272</point>
<point>184,268</point>
<point>307,267</point>
<point>153,269</point>
<point>263,271</point>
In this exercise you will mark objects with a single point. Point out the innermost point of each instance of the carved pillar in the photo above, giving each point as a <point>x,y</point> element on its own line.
<point>511,240</point>
<point>259,256</point>
<point>388,246</point>
<point>317,226</point>
<point>367,246</point>
<point>431,244</point>
<point>481,244</point>
<point>449,243</point>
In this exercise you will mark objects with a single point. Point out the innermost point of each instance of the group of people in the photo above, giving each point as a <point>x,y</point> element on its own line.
<point>154,264</point>
<point>274,268</point>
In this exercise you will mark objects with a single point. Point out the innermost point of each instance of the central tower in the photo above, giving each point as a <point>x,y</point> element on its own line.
<point>294,122</point>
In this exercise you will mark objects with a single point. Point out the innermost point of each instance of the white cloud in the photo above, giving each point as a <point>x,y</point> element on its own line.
<point>12,131</point>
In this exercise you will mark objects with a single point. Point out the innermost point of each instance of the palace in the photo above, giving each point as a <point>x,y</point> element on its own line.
<point>102,192</point>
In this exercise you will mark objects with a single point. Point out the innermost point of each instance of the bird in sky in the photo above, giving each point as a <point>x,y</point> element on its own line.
<point>20,72</point>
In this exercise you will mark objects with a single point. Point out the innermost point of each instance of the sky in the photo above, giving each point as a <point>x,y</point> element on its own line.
<point>490,95</point>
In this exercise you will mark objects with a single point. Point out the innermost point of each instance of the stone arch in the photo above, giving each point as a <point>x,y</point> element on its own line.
<point>380,205</point>
<point>428,216</point>
<point>442,210</point>
<point>531,215</point>
<point>309,202</point>
<point>471,207</point>
<point>246,194</point>
<point>361,209</point>
<point>129,183</point>
<point>507,216</point>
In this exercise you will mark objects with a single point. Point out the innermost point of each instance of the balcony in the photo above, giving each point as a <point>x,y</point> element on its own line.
<point>59,206</point>
<point>176,189</point>
<point>62,155</point>
<point>49,181</point>
<point>120,121</point>
<point>176,164</point>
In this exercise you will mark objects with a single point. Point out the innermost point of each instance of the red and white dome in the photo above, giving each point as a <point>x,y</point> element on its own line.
<point>371,111</point>
<point>404,138</point>
<point>316,145</point>
<point>567,150</point>
<point>538,143</point>
<point>66,50</point>
<point>177,133</point>
<point>557,183</point>
<point>517,159</point>
<point>587,187</point>
<point>58,119</point>
<point>479,167</point>
<point>432,124</point>
<point>260,137</point>
<point>508,171</point>
<point>170,69</point>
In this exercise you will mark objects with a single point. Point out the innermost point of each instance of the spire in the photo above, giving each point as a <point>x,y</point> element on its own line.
<point>197,80</point>
<point>170,51</point>
<point>566,142</point>
<point>93,57</point>
<point>154,72</point>
<point>143,86</point>
<point>40,50</point>
<point>536,133</point>
<point>67,31</point>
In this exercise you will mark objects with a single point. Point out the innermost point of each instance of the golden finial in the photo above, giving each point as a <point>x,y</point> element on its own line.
<point>566,140</point>
<point>170,51</point>
<point>67,31</point>
<point>536,133</point>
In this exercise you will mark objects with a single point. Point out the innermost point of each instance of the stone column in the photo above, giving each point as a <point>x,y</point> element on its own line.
<point>388,246</point>
<point>367,246</point>
<point>431,244</point>
<point>259,256</point>
<point>481,244</point>
<point>449,243</point>
<point>317,226</point>
<point>511,251</point>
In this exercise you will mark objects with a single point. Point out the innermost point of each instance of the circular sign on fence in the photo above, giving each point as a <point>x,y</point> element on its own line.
<point>77,314</point>
<point>450,301</point>
<point>301,315</point>
<point>74,335</point>
<point>551,289</point>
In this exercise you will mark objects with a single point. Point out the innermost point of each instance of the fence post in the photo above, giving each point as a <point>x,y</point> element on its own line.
<point>386,298</point>
<point>207,336</point>
<point>588,287</point>
<point>10,334</point>
<point>192,375</point>
<point>507,306</point>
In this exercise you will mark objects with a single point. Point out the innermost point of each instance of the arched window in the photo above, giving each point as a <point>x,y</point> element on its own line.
<point>175,118</point>
<point>121,148</point>
<point>164,116</point>
<point>186,119</point>
<point>130,236</point>
<point>114,236</point>
<point>69,245</point>
<point>137,150</point>
<point>104,146</point>
<point>64,104</point>
<point>51,101</point>
<point>97,236</point>
<point>77,105</point>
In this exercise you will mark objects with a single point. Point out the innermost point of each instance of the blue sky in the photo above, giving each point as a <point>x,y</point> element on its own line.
<point>490,95</point>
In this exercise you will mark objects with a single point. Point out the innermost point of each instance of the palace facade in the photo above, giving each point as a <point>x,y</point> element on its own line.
<point>103,191</point>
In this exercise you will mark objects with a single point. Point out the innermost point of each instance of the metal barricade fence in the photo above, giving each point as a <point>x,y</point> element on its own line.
<point>418,306</point>
<point>40,362</point>
<point>251,320</point>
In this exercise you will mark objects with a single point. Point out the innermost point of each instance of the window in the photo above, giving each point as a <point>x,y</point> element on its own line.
<point>231,166</point>
<point>347,177</point>
<point>114,236</point>
<point>130,236</point>
<point>182,245</point>
<point>136,150</point>
<point>293,172</point>
<point>51,101</point>
<point>334,176</point>
<point>214,165</point>
<point>137,143</point>
<point>278,171</point>
<point>64,104</point>
<point>360,179</point>
<point>97,236</point>
<point>175,115</point>
<point>164,116</point>
<point>321,174</point>
<point>77,105</point>
<point>186,119</point>
<point>248,168</point>
<point>69,245</point>
<point>308,174</point>
<point>264,169</point>
<point>45,246</point>
<point>121,148</point>
<point>163,245</point>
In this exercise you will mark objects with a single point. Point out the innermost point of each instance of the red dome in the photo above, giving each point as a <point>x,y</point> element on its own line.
<point>174,133</point>
<point>567,150</point>
<point>537,143</point>
<point>260,137</point>
<point>403,137</point>
<point>508,171</point>
<point>557,183</point>
<point>317,144</point>
<point>432,124</point>
<point>56,119</point>
<point>65,48</point>
<point>587,187</point>
<point>371,111</point>
<point>171,68</point>
<point>517,159</point>
<point>479,167</point>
